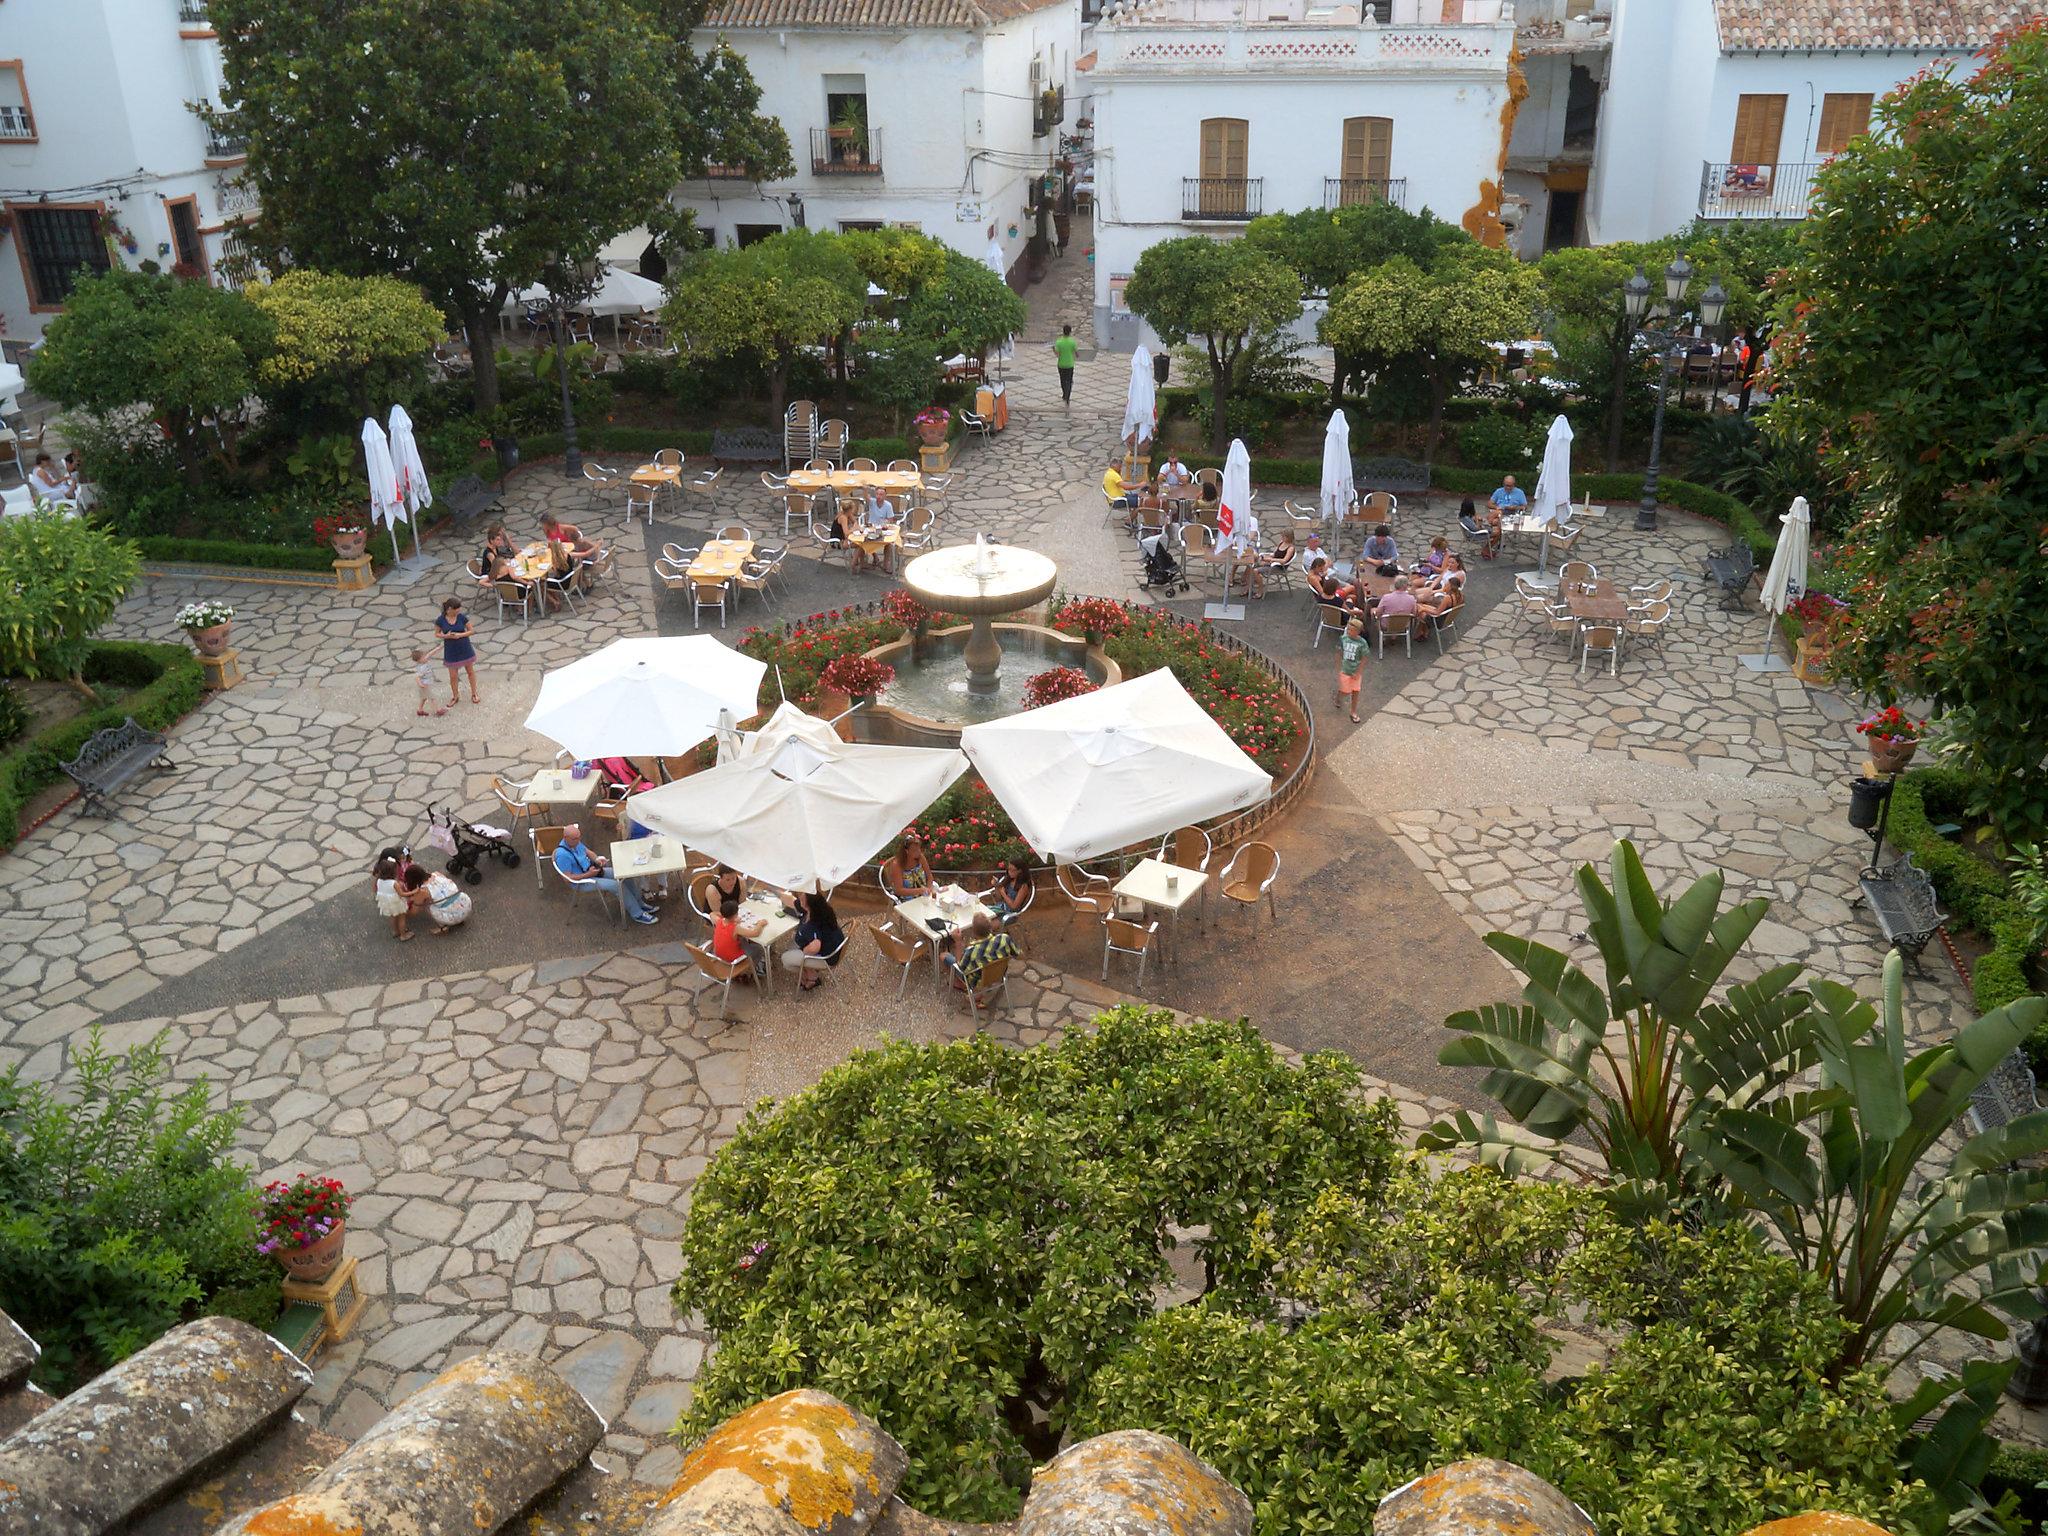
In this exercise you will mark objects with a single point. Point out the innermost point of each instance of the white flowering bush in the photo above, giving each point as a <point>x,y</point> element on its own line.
<point>204,614</point>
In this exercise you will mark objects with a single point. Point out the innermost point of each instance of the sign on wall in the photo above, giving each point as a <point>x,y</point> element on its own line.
<point>967,213</point>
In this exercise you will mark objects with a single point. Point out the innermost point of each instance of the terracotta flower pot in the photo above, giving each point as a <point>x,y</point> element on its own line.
<point>1890,754</point>
<point>350,546</point>
<point>212,640</point>
<point>931,433</point>
<point>315,1261</point>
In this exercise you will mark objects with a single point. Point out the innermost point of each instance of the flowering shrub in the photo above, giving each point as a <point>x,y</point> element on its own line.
<point>857,676</point>
<point>204,614</point>
<point>1091,615</point>
<point>325,529</point>
<point>967,828</point>
<point>906,610</point>
<point>1817,610</point>
<point>934,416</point>
<point>299,1214</point>
<point>801,655</point>
<point>1059,683</point>
<point>1891,724</point>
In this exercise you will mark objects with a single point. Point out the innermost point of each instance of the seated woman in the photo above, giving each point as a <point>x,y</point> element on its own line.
<point>558,532</point>
<point>727,885</point>
<point>1433,600</point>
<point>907,873</point>
<point>818,941</point>
<point>1011,893</point>
<point>52,484</point>
<point>498,546</point>
<point>1273,561</point>
<point>498,567</point>
<point>1433,557</point>
<point>1380,549</point>
<point>1322,581</point>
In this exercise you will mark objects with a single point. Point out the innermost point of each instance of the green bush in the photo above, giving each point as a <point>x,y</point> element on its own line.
<point>2023,1471</point>
<point>122,1211</point>
<point>169,686</point>
<point>1498,438</point>
<point>13,715</point>
<point>262,557</point>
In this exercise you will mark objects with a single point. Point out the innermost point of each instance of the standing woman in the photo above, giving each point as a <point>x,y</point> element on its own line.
<point>458,649</point>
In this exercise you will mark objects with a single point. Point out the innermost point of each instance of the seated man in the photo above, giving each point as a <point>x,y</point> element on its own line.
<point>1400,600</point>
<point>1380,548</point>
<point>1175,478</point>
<point>1312,550</point>
<point>978,946</point>
<point>1126,494</point>
<point>1508,498</point>
<point>880,514</point>
<point>582,867</point>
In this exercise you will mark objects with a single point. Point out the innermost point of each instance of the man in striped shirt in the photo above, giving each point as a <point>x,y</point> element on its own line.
<point>982,943</point>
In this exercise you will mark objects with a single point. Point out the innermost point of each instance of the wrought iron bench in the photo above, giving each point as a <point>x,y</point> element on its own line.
<point>469,496</point>
<point>1404,477</point>
<point>2008,1093</point>
<point>1902,896</point>
<point>1730,570</point>
<point>110,758</point>
<point>745,445</point>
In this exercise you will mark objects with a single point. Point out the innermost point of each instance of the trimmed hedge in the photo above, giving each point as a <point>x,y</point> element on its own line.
<point>167,685</point>
<point>2023,1470</point>
<point>262,557</point>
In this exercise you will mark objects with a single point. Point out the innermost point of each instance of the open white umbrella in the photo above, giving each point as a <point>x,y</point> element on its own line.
<point>1552,503</point>
<point>387,504</point>
<point>1235,520</point>
<point>1121,765</point>
<point>649,697</point>
<point>618,292</point>
<point>1335,498</point>
<point>1784,582</point>
<point>797,807</point>
<point>1141,403</point>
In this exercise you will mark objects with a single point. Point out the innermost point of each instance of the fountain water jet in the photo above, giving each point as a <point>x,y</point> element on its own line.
<point>981,582</point>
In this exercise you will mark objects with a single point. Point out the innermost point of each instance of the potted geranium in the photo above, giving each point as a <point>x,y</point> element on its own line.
<point>1894,736</point>
<point>1059,683</point>
<point>930,425</point>
<point>347,532</point>
<point>1095,618</point>
<point>858,677</point>
<point>302,1224</point>
<point>207,621</point>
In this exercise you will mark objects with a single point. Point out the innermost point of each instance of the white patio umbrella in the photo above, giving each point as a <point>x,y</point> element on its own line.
<point>618,292</point>
<point>647,697</point>
<point>387,505</point>
<point>1234,521</point>
<point>1335,498</point>
<point>1141,403</point>
<point>412,471</point>
<point>1552,503</point>
<point>798,807</point>
<point>1784,582</point>
<point>1121,765</point>
<point>992,258</point>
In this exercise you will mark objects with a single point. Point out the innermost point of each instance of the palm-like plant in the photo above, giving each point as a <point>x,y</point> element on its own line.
<point>1844,1188</point>
<point>1641,1065</point>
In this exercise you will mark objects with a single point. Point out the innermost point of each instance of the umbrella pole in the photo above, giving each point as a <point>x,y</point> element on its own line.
<point>1767,658</point>
<point>415,535</point>
<point>396,558</point>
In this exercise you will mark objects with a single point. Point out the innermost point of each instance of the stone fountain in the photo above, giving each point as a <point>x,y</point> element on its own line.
<point>981,582</point>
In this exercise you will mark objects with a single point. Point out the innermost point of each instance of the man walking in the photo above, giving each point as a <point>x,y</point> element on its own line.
<point>1063,349</point>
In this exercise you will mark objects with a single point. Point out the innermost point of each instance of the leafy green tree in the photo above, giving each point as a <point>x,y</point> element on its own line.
<point>1225,292</point>
<point>966,309</point>
<point>1589,324</point>
<point>1443,316</point>
<point>767,300</point>
<point>1917,324</point>
<point>951,1237</point>
<point>466,148</point>
<point>344,344</point>
<point>64,579</point>
<point>897,261</point>
<point>122,1211</point>
<point>187,350</point>
<point>1747,257</point>
<point>899,369</point>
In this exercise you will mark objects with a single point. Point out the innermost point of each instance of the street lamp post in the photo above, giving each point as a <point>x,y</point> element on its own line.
<point>583,278</point>
<point>1671,343</point>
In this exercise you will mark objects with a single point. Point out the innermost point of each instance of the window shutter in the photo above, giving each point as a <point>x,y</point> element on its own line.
<point>1843,115</point>
<point>1759,126</point>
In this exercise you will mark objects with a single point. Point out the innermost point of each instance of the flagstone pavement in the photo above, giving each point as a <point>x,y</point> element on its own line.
<point>525,1126</point>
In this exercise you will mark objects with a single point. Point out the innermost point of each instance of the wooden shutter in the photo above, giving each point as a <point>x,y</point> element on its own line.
<point>1368,154</point>
<point>1225,142</point>
<point>1843,115</point>
<point>1759,126</point>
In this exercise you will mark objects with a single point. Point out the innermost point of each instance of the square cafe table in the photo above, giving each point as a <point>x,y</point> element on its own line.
<point>557,786</point>
<point>1596,602</point>
<point>667,476</point>
<point>721,559</point>
<point>776,925</point>
<point>1146,883</point>
<point>640,858</point>
<point>876,543</point>
<point>916,911</point>
<point>815,480</point>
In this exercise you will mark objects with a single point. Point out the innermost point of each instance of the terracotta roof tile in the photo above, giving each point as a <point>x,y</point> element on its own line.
<point>1927,25</point>
<point>867,14</point>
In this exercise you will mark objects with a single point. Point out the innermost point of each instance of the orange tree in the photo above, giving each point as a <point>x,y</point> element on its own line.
<point>1916,328</point>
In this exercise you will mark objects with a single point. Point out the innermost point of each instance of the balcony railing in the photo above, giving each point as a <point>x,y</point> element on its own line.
<point>1735,191</point>
<point>1048,111</point>
<point>1356,191</point>
<point>15,123</point>
<point>727,173</point>
<point>225,143</point>
<point>1225,199</point>
<point>834,153</point>
<point>192,13</point>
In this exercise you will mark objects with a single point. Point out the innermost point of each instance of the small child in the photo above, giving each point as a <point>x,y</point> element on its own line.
<point>1352,649</point>
<point>423,673</point>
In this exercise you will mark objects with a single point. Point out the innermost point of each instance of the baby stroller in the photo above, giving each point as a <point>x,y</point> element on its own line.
<point>467,843</point>
<point>1162,571</point>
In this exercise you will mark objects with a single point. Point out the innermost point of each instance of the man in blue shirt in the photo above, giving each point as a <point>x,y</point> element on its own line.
<point>1509,497</point>
<point>582,867</point>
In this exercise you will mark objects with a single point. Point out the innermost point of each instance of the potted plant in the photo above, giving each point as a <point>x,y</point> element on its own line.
<point>1051,686</point>
<point>930,425</point>
<point>1095,617</point>
<point>860,678</point>
<point>303,1224</point>
<point>347,532</point>
<point>850,128</point>
<point>207,621</point>
<point>1818,614</point>
<point>1894,736</point>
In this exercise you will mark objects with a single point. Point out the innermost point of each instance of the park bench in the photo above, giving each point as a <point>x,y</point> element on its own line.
<point>1730,570</point>
<point>2005,1095</point>
<point>1404,477</point>
<point>745,445</point>
<point>110,758</point>
<point>1902,896</point>
<point>469,496</point>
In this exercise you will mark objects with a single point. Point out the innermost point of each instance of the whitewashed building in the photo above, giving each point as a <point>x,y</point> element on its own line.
<point>1723,109</point>
<point>101,157</point>
<point>1208,113</point>
<point>937,115</point>
<point>1562,46</point>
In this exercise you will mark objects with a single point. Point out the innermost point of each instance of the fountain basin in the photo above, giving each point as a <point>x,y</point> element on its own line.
<point>981,581</point>
<point>930,703</point>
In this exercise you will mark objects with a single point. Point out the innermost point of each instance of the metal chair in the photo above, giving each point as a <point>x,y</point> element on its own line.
<point>898,949</point>
<point>1441,624</point>
<point>600,477</point>
<point>1646,623</point>
<point>723,972</point>
<point>775,483</point>
<point>920,528</point>
<point>511,795</point>
<point>1090,893</point>
<point>709,594</point>
<point>566,584</point>
<point>698,894</point>
<point>1658,591</point>
<point>907,466</point>
<point>681,554</point>
<point>734,531</point>
<point>705,484</point>
<point>994,980</point>
<point>1576,571</point>
<point>1380,507</point>
<point>753,577</point>
<point>640,501</point>
<point>822,962</point>
<point>1121,936</point>
<point>981,426</point>
<point>1186,848</point>
<point>1030,895</point>
<point>669,458</point>
<point>833,435</point>
<point>1402,624</point>
<point>1250,875</point>
<point>796,506</point>
<point>513,594</point>
<point>582,887</point>
<point>1329,617</point>
<point>820,466</point>
<point>861,466</point>
<point>1605,638</point>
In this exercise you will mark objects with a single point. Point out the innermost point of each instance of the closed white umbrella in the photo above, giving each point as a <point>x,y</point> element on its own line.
<point>412,471</point>
<point>1784,582</point>
<point>1121,765</point>
<point>1335,498</point>
<point>992,258</point>
<point>648,697</point>
<point>1235,517</point>
<point>1141,403</point>
<point>1552,503</point>
<point>796,806</point>
<point>387,505</point>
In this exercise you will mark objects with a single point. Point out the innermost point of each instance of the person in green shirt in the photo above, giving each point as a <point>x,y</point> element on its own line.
<point>1063,353</point>
<point>1352,649</point>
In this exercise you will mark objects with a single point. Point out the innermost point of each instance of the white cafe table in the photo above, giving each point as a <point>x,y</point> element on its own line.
<point>637,858</point>
<point>917,912</point>
<point>1148,883</point>
<point>558,786</point>
<point>776,925</point>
